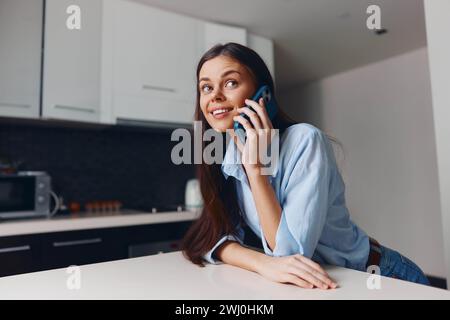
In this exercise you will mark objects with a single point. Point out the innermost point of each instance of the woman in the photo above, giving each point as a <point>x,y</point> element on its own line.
<point>298,211</point>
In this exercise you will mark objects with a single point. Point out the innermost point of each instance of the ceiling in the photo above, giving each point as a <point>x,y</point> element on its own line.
<point>315,38</point>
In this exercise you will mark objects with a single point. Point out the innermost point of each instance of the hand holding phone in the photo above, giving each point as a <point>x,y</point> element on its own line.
<point>271,108</point>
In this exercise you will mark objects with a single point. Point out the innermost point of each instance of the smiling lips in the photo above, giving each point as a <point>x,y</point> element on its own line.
<point>222,112</point>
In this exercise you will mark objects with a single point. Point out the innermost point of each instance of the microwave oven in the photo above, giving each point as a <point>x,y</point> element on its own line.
<point>25,194</point>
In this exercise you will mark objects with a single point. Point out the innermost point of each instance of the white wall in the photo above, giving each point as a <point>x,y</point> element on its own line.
<point>382,114</point>
<point>438,27</point>
<point>264,47</point>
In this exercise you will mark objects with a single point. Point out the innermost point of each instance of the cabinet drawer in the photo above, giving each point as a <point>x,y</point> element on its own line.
<point>19,255</point>
<point>63,249</point>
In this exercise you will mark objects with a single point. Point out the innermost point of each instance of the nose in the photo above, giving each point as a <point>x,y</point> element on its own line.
<point>217,96</point>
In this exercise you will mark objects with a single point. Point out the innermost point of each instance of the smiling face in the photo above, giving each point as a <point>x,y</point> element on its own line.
<point>224,84</point>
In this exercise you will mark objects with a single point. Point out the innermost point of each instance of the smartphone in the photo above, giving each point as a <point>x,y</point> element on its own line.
<point>271,107</point>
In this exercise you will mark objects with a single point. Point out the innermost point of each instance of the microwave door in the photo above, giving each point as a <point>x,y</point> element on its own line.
<point>17,197</point>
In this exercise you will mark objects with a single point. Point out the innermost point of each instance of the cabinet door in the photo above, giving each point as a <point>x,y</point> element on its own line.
<point>63,249</point>
<point>264,47</point>
<point>19,254</point>
<point>155,56</point>
<point>20,57</point>
<point>214,33</point>
<point>72,61</point>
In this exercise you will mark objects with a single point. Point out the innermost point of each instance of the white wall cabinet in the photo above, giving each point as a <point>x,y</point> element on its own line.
<point>129,62</point>
<point>154,59</point>
<point>20,57</point>
<point>154,63</point>
<point>72,62</point>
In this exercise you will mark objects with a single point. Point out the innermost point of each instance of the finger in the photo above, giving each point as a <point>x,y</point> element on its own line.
<point>316,270</point>
<point>236,140</point>
<point>298,282</point>
<point>260,109</point>
<point>305,275</point>
<point>245,123</point>
<point>324,279</point>
<point>311,263</point>
<point>254,117</point>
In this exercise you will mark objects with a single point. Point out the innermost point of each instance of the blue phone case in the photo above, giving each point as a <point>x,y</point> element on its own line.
<point>271,107</point>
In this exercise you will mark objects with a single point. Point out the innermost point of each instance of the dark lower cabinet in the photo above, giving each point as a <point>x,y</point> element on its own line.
<point>37,252</point>
<point>82,247</point>
<point>19,255</point>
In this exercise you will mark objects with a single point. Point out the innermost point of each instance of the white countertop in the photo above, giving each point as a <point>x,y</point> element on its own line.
<point>171,276</point>
<point>91,221</point>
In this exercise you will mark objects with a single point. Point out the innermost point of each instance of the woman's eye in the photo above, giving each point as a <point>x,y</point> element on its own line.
<point>231,84</point>
<point>206,88</point>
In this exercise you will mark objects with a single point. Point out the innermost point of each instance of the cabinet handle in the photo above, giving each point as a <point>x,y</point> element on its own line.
<point>14,105</point>
<point>74,108</point>
<point>77,242</point>
<point>15,249</point>
<point>152,124</point>
<point>149,87</point>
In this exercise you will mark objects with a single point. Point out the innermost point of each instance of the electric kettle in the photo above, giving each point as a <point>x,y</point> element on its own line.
<point>193,196</point>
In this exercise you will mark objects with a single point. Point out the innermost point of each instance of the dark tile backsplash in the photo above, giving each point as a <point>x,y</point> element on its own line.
<point>131,165</point>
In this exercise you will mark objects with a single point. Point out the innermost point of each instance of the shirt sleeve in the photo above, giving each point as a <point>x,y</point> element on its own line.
<point>210,257</point>
<point>305,197</point>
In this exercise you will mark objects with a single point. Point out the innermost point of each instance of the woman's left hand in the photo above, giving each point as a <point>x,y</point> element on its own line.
<point>259,135</point>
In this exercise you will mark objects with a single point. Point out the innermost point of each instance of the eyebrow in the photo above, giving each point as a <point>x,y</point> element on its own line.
<point>223,75</point>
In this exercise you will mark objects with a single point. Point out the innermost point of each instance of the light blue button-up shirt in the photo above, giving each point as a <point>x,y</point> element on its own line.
<point>315,221</point>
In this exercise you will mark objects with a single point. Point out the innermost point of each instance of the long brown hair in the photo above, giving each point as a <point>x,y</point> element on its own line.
<point>221,212</point>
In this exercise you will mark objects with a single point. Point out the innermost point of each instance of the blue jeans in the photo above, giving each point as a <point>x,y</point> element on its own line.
<point>395,265</point>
